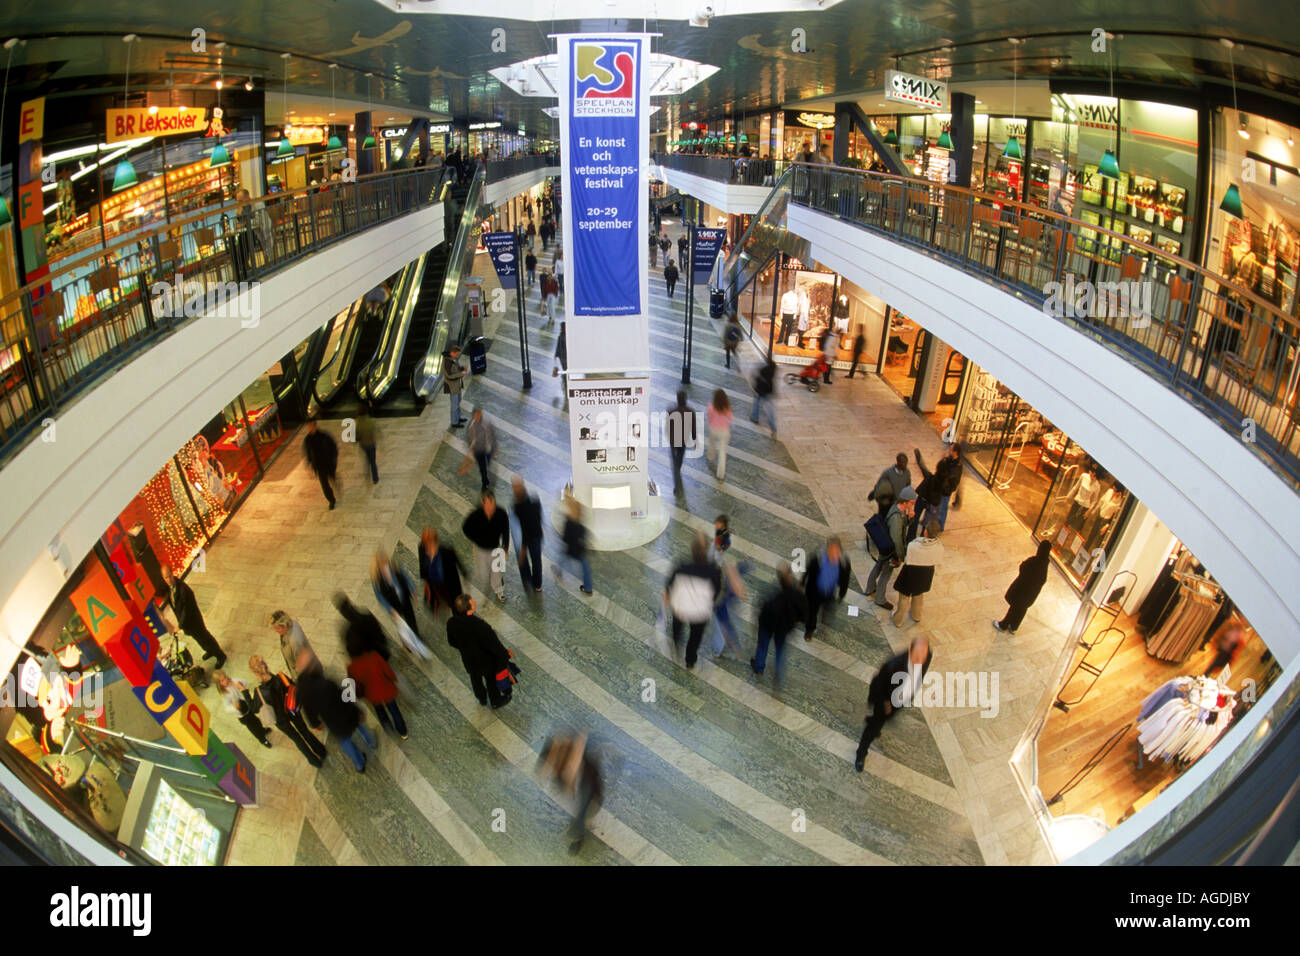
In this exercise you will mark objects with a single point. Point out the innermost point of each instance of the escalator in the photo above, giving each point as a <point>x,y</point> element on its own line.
<point>352,340</point>
<point>766,237</point>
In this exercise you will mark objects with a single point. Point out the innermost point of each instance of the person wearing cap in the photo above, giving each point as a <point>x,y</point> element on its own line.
<point>897,520</point>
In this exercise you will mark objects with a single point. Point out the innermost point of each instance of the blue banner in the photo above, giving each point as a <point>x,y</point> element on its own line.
<point>604,153</point>
<point>501,247</point>
<point>708,242</point>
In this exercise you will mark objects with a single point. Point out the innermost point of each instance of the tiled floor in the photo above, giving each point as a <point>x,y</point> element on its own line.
<point>707,766</point>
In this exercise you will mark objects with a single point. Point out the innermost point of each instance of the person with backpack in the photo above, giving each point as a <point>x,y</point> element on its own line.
<point>279,693</point>
<point>781,610</point>
<point>765,396</point>
<point>691,593</point>
<point>895,526</point>
<point>670,277</point>
<point>891,481</point>
<point>827,573</point>
<point>731,336</point>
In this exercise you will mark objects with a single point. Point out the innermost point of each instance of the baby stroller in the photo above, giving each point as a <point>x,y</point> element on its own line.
<point>810,376</point>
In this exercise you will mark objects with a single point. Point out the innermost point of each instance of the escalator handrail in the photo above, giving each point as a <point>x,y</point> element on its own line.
<point>427,375</point>
<point>380,374</point>
<point>391,309</point>
<point>340,355</point>
<point>734,262</point>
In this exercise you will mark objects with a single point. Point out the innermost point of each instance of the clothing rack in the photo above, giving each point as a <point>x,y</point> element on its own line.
<point>1183,718</point>
<point>1187,624</point>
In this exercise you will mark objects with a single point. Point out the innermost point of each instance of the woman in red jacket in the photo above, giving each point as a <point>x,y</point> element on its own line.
<point>377,683</point>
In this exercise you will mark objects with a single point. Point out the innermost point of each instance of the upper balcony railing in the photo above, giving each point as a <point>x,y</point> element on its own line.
<point>733,170</point>
<point>71,328</point>
<point>1218,344</point>
<point>499,169</point>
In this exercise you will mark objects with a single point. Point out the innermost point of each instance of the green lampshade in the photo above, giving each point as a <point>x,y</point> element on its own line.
<point>5,218</point>
<point>1232,202</point>
<point>731,140</point>
<point>891,138</point>
<point>220,156</point>
<point>1109,165</point>
<point>945,141</point>
<point>1012,150</point>
<point>285,149</point>
<point>335,142</point>
<point>124,176</point>
<point>368,142</point>
<point>743,139</point>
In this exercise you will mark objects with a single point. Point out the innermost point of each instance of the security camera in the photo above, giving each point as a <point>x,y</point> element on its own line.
<point>703,14</point>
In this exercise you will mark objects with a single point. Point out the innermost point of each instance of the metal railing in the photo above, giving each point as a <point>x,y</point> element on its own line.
<point>499,169</point>
<point>449,322</point>
<point>71,328</point>
<point>1231,353</point>
<point>733,170</point>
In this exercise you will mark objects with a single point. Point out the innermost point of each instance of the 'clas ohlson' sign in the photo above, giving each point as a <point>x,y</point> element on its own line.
<point>916,90</point>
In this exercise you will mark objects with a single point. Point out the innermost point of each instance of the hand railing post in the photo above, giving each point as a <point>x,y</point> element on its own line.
<point>29,317</point>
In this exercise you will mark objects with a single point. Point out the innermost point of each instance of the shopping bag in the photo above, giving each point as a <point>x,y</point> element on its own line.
<point>409,639</point>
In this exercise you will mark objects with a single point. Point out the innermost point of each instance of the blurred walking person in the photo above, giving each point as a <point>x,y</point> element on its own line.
<point>765,396</point>
<point>440,570</point>
<point>361,625</point>
<point>897,684</point>
<point>826,581</point>
<point>342,717</point>
<point>720,419</point>
<point>679,430</point>
<point>575,542</point>
<point>488,529</point>
<point>323,457</point>
<point>670,277</point>
<point>482,440</point>
<point>481,651</point>
<point>243,703</point>
<point>365,435</point>
<point>376,682</point>
<point>570,763</point>
<point>691,593</point>
<point>782,609</point>
<point>528,519</point>
<point>395,594</point>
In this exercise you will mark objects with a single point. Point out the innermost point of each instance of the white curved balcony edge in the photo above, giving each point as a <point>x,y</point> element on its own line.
<point>60,496</point>
<point>495,192</point>
<point>1239,518</point>
<point>732,199</point>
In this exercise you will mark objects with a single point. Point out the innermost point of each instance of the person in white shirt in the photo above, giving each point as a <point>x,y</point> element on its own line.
<point>917,576</point>
<point>559,269</point>
<point>1084,495</point>
<point>1107,508</point>
<point>805,307</point>
<point>241,703</point>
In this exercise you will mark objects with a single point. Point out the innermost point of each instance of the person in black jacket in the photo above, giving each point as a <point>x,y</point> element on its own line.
<point>781,610</point>
<point>439,569</point>
<point>342,717</point>
<point>323,457</point>
<point>764,395</point>
<point>528,512</point>
<point>190,618</point>
<point>360,627</point>
<point>859,346</point>
<point>481,651</point>
<point>827,572</point>
<point>1025,588</point>
<point>679,430</point>
<point>898,684</point>
<point>670,277</point>
<point>275,694</point>
<point>488,528</point>
<point>569,762</point>
<point>575,542</point>
<point>933,498</point>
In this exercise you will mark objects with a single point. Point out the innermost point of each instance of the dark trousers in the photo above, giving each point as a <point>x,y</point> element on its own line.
<point>325,480</point>
<point>1076,516</point>
<point>587,804</point>
<point>787,320</point>
<point>695,635</point>
<point>530,563</point>
<point>307,743</point>
<point>816,601</point>
<point>671,285</point>
<point>389,712</point>
<point>370,451</point>
<point>728,356</point>
<point>485,689</point>
<point>407,610</point>
<point>255,728</point>
<point>203,637</point>
<point>854,367</point>
<point>483,460</point>
<point>679,455</point>
<point>875,723</point>
<point>1221,660</point>
<point>1015,614</point>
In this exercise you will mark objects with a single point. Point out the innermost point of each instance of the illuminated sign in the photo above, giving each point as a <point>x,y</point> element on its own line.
<point>394,132</point>
<point>141,122</point>
<point>916,90</point>
<point>440,128</point>
<point>493,125</point>
<point>816,120</point>
<point>305,135</point>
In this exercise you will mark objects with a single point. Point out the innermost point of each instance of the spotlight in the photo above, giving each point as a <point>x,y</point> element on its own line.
<point>1243,130</point>
<point>248,84</point>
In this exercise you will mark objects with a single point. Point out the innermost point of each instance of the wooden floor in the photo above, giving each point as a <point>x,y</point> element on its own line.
<point>1070,739</point>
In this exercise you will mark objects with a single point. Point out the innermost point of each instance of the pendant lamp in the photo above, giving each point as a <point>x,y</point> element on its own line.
<point>285,150</point>
<point>334,141</point>
<point>220,155</point>
<point>1109,167</point>
<point>945,141</point>
<point>124,177</point>
<point>1012,149</point>
<point>5,216</point>
<point>744,140</point>
<point>891,138</point>
<point>369,141</point>
<point>1232,202</point>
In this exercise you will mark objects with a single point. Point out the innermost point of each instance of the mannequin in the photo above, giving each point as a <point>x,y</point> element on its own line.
<point>805,307</point>
<point>840,312</point>
<point>1084,495</point>
<point>1107,509</point>
<point>789,306</point>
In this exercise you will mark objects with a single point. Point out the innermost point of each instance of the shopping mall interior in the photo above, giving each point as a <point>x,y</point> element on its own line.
<point>263,265</point>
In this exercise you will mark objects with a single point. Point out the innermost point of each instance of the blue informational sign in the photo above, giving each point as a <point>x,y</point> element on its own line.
<point>602,150</point>
<point>708,242</point>
<point>501,247</point>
